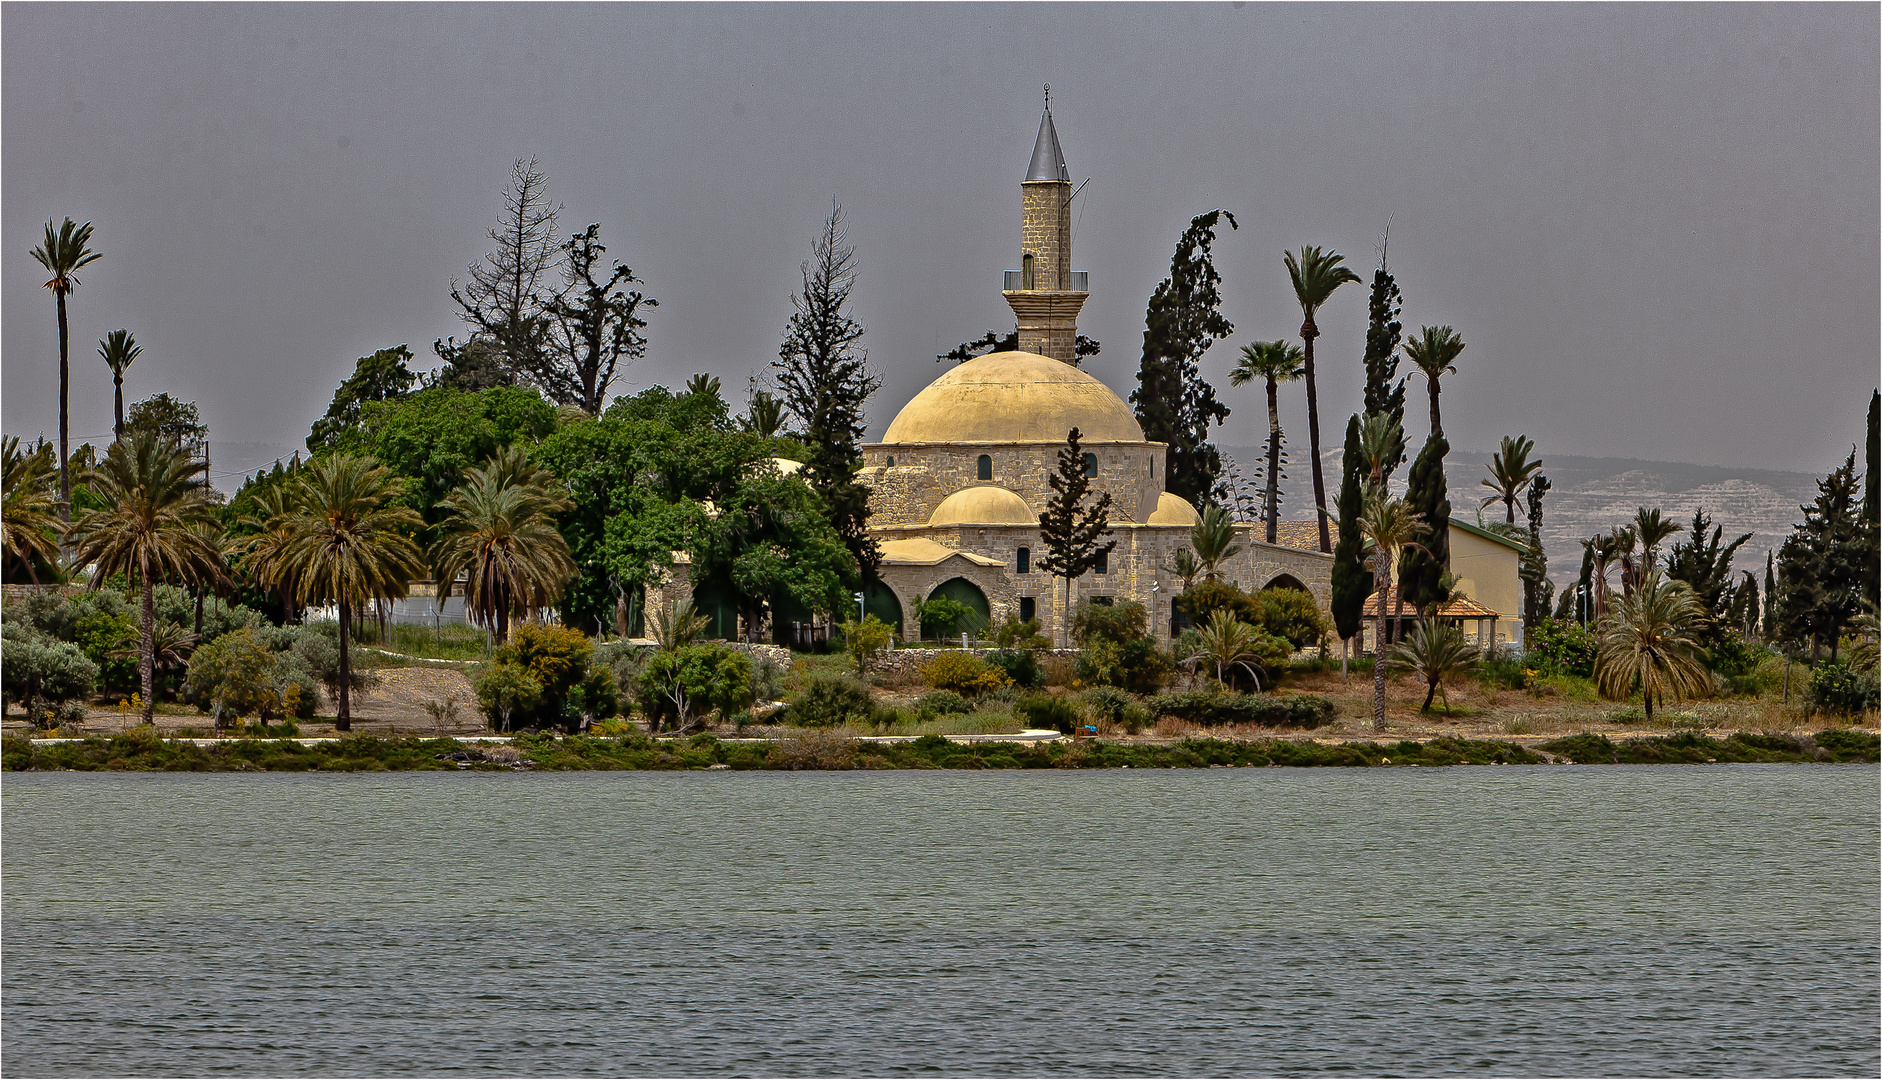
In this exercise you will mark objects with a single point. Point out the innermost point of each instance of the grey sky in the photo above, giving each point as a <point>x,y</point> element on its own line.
<point>1656,227</point>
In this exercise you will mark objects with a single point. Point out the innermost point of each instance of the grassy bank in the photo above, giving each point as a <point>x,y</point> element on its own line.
<point>143,751</point>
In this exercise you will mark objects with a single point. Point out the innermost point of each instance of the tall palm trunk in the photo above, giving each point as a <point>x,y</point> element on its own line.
<point>65,425</point>
<point>344,721</point>
<point>1308,331</point>
<point>1382,569</point>
<point>147,646</point>
<point>117,426</point>
<point>1274,457</point>
<point>1437,425</point>
<point>503,615</point>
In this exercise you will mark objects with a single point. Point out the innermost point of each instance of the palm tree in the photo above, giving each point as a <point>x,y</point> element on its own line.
<point>170,646</point>
<point>1510,473</point>
<point>152,503</point>
<point>1214,540</point>
<point>1184,565</point>
<point>1653,530</point>
<point>1433,351</point>
<point>1391,526</point>
<point>1277,362</point>
<point>29,517</point>
<point>1228,643</point>
<point>119,348</point>
<point>349,546</point>
<point>1651,640</point>
<point>63,253</point>
<point>499,530</point>
<point>674,632</point>
<point>1434,651</point>
<point>1315,275</point>
<point>264,554</point>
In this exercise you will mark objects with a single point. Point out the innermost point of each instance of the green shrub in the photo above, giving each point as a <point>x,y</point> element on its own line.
<point>1215,710</point>
<point>1020,666</point>
<point>1558,646</point>
<point>830,701</point>
<point>1047,712</point>
<point>1502,673</point>
<point>38,670</point>
<point>1839,689</point>
<point>98,634</point>
<point>508,693</point>
<point>1115,651</point>
<point>680,685</point>
<point>1017,633</point>
<point>1202,599</point>
<point>941,703</point>
<point>233,677</point>
<point>1290,614</point>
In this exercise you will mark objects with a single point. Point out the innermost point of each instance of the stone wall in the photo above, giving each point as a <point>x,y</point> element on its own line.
<point>909,661</point>
<point>1134,571</point>
<point>924,474</point>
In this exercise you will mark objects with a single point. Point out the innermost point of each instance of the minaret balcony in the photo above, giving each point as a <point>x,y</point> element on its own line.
<point>1016,282</point>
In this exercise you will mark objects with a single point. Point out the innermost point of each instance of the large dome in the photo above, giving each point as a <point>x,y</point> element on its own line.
<point>1014,397</point>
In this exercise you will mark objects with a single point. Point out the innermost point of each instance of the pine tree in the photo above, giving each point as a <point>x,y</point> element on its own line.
<point>1174,404</point>
<point>1421,569</point>
<point>1535,565</point>
<point>505,297</point>
<point>1352,580</point>
<point>824,377</point>
<point>1069,530</point>
<point>1821,567</point>
<point>596,327</point>
<point>1705,564</point>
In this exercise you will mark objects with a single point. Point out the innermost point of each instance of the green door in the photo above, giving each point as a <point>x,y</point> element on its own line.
<point>969,596</point>
<point>880,601</point>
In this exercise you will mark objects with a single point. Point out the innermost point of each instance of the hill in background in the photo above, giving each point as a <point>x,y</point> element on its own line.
<point>1594,494</point>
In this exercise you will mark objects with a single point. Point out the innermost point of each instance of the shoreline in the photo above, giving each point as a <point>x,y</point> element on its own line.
<point>144,751</point>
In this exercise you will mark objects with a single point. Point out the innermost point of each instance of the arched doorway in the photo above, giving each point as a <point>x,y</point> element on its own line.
<point>879,600</point>
<point>1287,581</point>
<point>968,595</point>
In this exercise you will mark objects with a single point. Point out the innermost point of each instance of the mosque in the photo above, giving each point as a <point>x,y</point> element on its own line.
<point>960,477</point>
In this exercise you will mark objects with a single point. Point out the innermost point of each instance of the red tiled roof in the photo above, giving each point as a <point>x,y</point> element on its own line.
<point>1461,608</point>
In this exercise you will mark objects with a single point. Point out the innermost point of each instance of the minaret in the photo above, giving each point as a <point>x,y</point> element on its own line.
<point>1045,292</point>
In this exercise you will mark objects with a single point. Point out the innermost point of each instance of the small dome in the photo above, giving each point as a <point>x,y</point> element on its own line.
<point>1173,510</point>
<point>1014,397</point>
<point>983,506</point>
<point>785,465</point>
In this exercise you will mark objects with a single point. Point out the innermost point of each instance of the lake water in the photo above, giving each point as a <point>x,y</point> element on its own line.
<point>1659,920</point>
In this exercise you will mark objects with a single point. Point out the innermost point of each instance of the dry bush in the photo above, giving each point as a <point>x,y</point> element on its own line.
<point>814,748</point>
<point>1169,727</point>
<point>1059,670</point>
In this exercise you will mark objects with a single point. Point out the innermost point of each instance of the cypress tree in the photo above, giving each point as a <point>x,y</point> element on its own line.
<point>1770,597</point>
<point>1421,569</point>
<point>1584,585</point>
<point>1535,565</point>
<point>1871,508</point>
<point>1352,579</point>
<point>1174,404</point>
<point>1383,394</point>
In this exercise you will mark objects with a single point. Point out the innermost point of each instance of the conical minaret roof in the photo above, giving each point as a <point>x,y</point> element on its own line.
<point>1048,161</point>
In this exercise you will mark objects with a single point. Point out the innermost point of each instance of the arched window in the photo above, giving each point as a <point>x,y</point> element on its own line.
<point>1025,561</point>
<point>1025,271</point>
<point>891,461</point>
<point>1104,563</point>
<point>1091,464</point>
<point>985,467</point>
<point>1026,608</point>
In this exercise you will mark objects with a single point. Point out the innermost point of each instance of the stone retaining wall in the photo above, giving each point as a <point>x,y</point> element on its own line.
<point>908,661</point>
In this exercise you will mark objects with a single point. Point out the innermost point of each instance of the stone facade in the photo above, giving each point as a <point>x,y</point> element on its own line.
<point>924,474</point>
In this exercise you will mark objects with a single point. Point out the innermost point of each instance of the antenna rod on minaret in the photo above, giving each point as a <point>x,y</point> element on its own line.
<point>1048,97</point>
